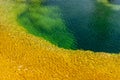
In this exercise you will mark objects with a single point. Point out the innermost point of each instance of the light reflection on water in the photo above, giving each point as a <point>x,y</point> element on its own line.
<point>115,1</point>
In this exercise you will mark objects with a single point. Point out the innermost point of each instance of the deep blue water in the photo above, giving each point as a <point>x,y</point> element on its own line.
<point>95,26</point>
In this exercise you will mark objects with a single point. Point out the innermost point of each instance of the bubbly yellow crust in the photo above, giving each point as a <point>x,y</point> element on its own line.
<point>26,57</point>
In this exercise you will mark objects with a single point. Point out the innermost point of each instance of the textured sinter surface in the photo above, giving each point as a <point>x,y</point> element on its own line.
<point>73,25</point>
<point>26,57</point>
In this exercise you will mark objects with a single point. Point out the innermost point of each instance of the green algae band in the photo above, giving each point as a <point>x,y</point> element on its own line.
<point>75,24</point>
<point>46,22</point>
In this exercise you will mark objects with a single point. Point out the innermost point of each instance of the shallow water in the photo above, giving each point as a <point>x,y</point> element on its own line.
<point>89,26</point>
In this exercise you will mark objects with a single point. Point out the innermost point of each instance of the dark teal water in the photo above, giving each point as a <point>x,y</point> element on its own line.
<point>95,26</point>
<point>114,1</point>
<point>74,24</point>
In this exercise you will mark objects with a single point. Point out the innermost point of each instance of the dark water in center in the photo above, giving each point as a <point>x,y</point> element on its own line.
<point>95,26</point>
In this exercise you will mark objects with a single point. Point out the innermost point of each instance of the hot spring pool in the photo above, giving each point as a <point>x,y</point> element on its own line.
<point>75,24</point>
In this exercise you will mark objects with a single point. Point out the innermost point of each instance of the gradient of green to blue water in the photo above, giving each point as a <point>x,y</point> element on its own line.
<point>74,24</point>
